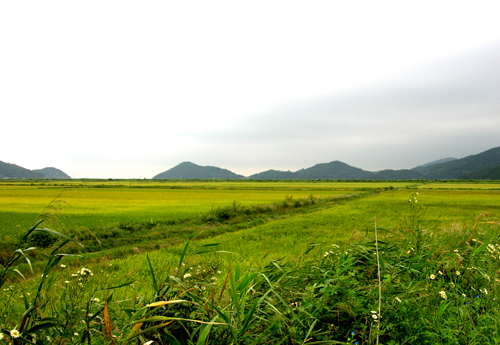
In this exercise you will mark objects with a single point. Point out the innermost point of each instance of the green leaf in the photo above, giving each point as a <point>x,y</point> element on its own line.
<point>234,295</point>
<point>53,232</point>
<point>118,286</point>
<point>309,332</point>
<point>31,230</point>
<point>182,256</point>
<point>248,317</point>
<point>153,277</point>
<point>202,339</point>
<point>209,245</point>
<point>43,325</point>
<point>311,246</point>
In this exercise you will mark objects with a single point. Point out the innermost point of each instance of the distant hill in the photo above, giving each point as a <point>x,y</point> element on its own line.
<point>273,175</point>
<point>52,173</point>
<point>461,167</point>
<point>188,170</point>
<point>333,171</point>
<point>486,174</point>
<point>439,161</point>
<point>325,171</point>
<point>403,174</point>
<point>484,165</point>
<point>8,170</point>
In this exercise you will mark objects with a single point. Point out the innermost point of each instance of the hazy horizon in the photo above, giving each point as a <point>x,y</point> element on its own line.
<point>120,89</point>
<point>248,175</point>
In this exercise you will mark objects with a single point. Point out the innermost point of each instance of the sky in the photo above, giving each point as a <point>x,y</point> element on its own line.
<point>129,89</point>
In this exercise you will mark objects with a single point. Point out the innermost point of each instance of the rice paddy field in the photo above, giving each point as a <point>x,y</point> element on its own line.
<point>91,204</point>
<point>106,208</point>
<point>253,262</point>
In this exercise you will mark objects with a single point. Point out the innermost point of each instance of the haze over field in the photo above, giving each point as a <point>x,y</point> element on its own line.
<point>124,89</point>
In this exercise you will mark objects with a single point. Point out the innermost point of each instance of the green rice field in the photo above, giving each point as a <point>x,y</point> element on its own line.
<point>250,262</point>
<point>92,204</point>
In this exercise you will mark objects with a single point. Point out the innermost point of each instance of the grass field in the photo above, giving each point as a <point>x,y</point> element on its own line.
<point>300,272</point>
<point>109,207</point>
<point>93,204</point>
<point>461,185</point>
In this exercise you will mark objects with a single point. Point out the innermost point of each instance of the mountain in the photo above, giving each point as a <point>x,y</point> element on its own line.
<point>273,175</point>
<point>325,171</point>
<point>486,174</point>
<point>403,174</point>
<point>8,170</point>
<point>333,171</point>
<point>426,165</point>
<point>188,170</point>
<point>461,167</point>
<point>52,173</point>
<point>484,165</point>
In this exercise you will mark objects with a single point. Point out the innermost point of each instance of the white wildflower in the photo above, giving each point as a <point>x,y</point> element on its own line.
<point>85,272</point>
<point>15,333</point>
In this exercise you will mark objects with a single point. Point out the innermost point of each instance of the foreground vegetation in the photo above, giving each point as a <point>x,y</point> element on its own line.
<point>306,278</point>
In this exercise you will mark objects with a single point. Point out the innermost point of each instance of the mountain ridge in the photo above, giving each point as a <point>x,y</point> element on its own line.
<point>189,170</point>
<point>484,165</point>
<point>439,161</point>
<point>52,173</point>
<point>13,171</point>
<point>446,168</point>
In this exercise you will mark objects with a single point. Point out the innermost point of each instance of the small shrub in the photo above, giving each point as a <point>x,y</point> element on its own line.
<point>41,240</point>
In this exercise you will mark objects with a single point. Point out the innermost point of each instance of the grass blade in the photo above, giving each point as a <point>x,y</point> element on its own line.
<point>202,339</point>
<point>31,230</point>
<point>153,277</point>
<point>183,255</point>
<point>162,303</point>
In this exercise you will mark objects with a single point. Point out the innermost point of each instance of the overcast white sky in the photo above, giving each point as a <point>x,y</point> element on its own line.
<point>129,89</point>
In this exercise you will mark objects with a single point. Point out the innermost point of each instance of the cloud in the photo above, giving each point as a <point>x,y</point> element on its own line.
<point>447,108</point>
